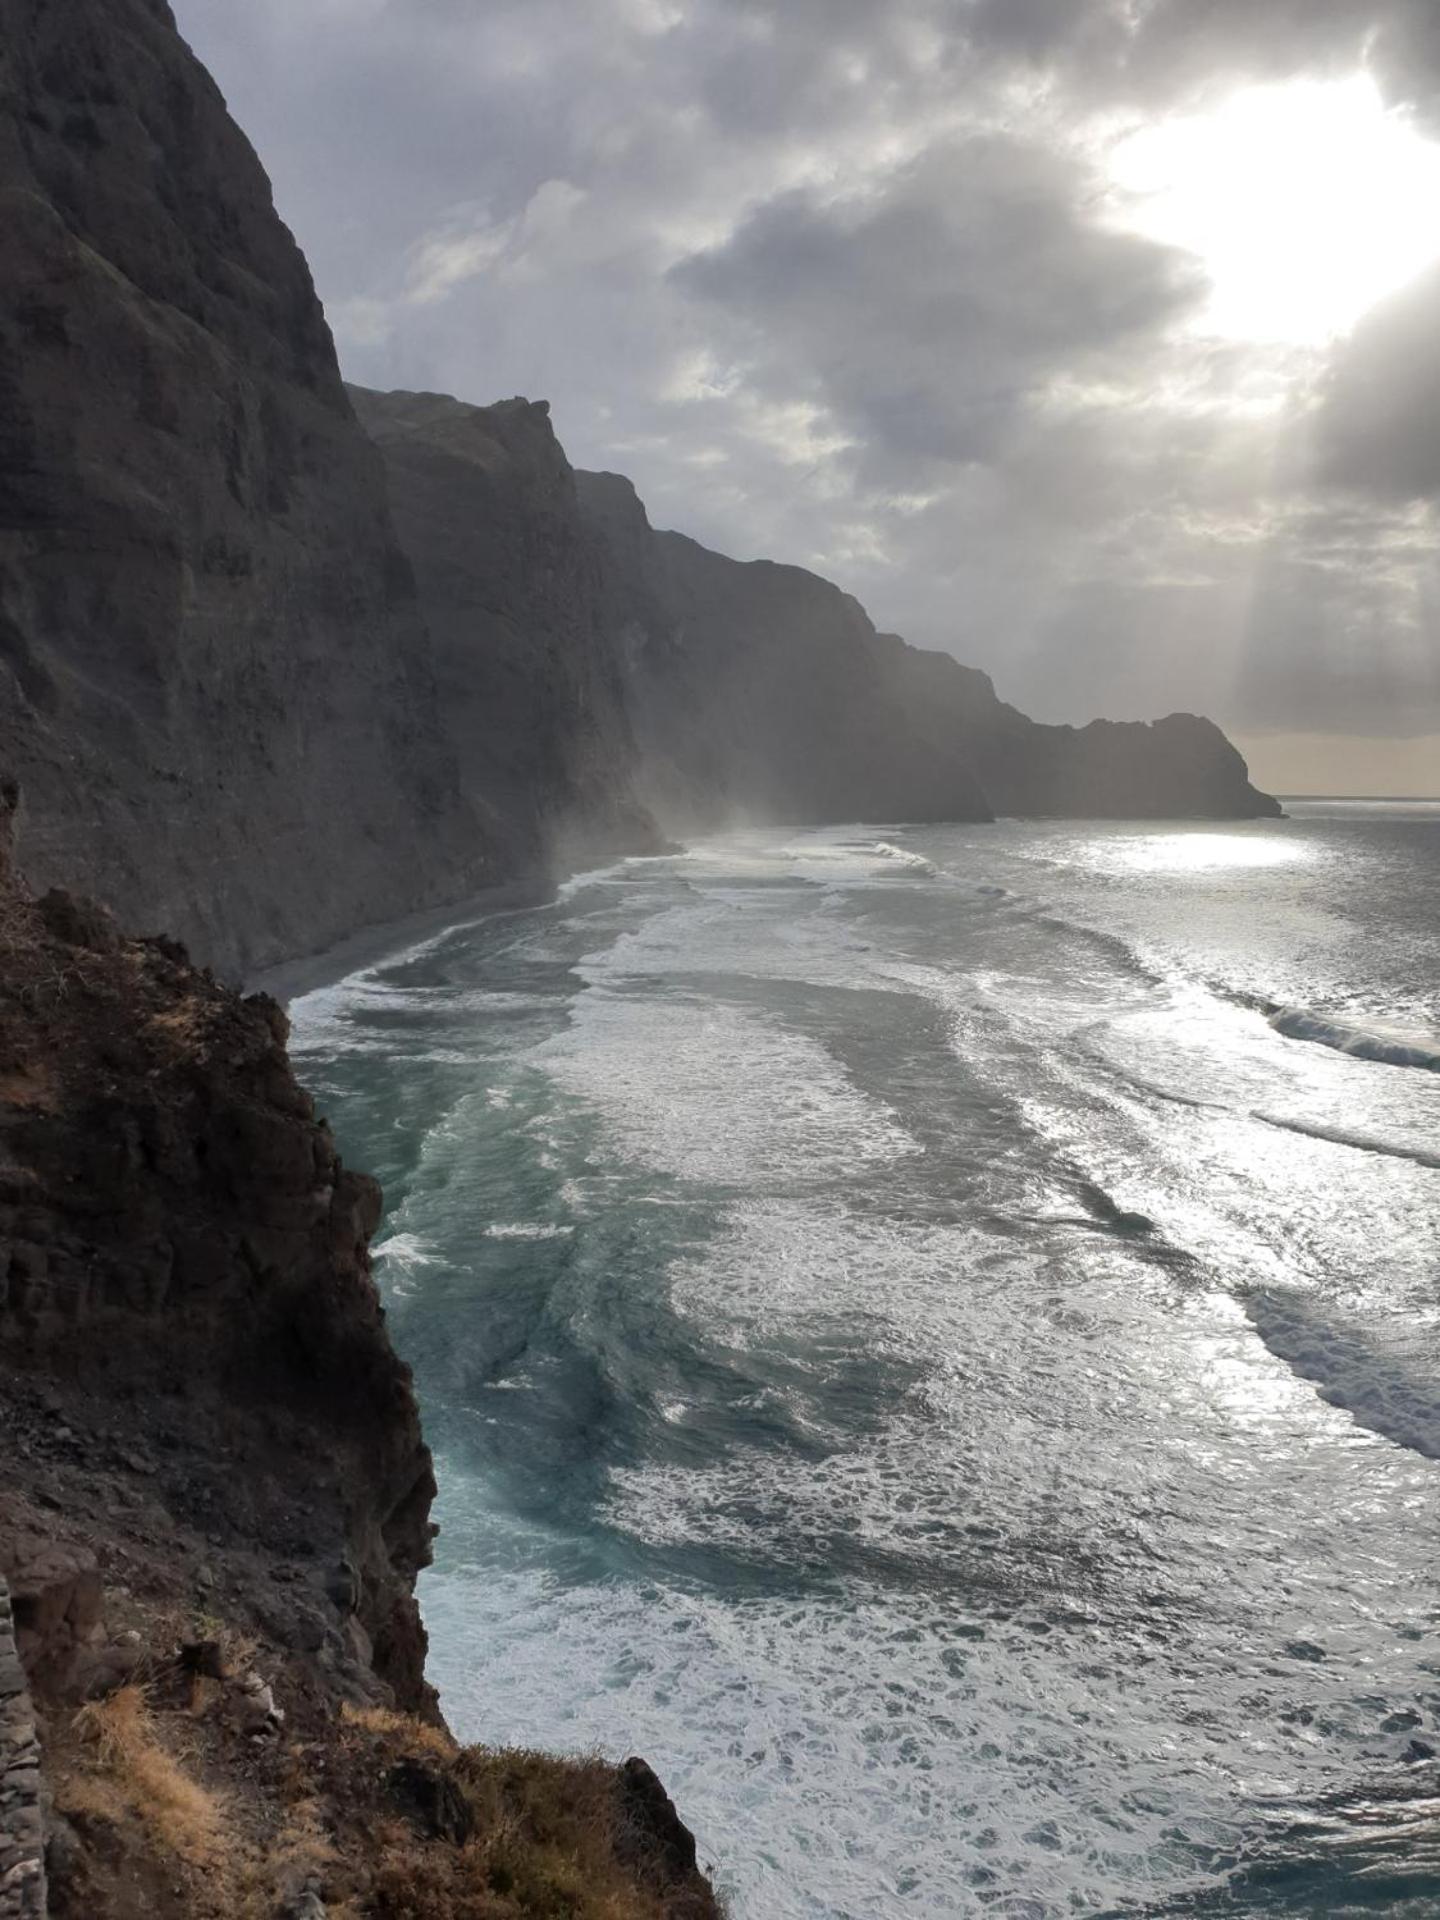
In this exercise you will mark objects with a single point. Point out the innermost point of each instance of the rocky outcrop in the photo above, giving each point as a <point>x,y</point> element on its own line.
<point>214,682</point>
<point>215,1496</point>
<point>1181,767</point>
<point>178,1230</point>
<point>485,505</point>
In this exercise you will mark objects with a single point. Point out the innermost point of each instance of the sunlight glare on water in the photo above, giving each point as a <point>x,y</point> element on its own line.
<point>1199,852</point>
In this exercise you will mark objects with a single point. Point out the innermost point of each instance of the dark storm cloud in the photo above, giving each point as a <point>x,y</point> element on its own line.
<point>834,280</point>
<point>932,315</point>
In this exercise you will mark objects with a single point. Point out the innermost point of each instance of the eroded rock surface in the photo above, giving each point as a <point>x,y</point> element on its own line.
<point>179,1238</point>
<point>513,593</point>
<point>214,683</point>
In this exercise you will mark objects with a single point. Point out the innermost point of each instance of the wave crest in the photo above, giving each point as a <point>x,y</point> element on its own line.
<point>905,858</point>
<point>1391,1050</point>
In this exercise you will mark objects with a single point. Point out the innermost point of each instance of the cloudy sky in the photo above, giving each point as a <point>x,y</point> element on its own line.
<point>1096,341</point>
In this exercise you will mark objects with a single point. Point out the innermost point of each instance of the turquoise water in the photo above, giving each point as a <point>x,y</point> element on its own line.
<point>930,1336</point>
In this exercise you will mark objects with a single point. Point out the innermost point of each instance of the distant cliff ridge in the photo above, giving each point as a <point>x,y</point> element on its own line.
<point>1179,767</point>
<point>645,665</point>
<point>756,691</point>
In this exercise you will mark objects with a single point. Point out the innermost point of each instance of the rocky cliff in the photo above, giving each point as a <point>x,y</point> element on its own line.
<point>214,682</point>
<point>215,1495</point>
<point>591,665</point>
<point>1180,767</point>
<point>177,1233</point>
<point>485,504</point>
<point>765,690</point>
<point>757,691</point>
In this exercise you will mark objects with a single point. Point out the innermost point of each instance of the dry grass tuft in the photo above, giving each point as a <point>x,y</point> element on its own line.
<point>409,1737</point>
<point>184,1816</point>
<point>550,1839</point>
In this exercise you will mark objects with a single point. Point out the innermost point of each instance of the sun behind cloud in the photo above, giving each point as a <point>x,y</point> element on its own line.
<point>1306,202</point>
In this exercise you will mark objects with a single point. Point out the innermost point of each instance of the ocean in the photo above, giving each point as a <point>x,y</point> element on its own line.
<point>930,1336</point>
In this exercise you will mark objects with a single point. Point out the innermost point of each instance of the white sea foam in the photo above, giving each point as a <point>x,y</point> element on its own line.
<point>1379,1370</point>
<point>1413,1151</point>
<point>950,1544</point>
<point>716,1093</point>
<point>527,1230</point>
<point>904,857</point>
<point>403,1259</point>
<point>408,1250</point>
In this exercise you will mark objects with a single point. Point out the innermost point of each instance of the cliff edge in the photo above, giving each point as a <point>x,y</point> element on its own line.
<point>215,1494</point>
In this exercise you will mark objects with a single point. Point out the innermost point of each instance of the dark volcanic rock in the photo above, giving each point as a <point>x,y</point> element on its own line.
<point>511,584</point>
<point>214,683</point>
<point>214,1498</point>
<point>178,1234</point>
<point>659,1831</point>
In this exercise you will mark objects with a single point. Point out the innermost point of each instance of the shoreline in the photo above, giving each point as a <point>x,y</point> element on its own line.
<point>292,979</point>
<point>367,946</point>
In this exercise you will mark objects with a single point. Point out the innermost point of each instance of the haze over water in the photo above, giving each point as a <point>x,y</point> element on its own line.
<point>930,1336</point>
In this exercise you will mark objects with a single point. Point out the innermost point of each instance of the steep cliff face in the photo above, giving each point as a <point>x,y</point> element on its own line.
<point>176,1228</point>
<point>756,690</point>
<point>592,668</point>
<point>485,505</point>
<point>213,679</point>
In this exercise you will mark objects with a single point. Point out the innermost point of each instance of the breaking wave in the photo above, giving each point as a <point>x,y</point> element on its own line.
<point>1342,1137</point>
<point>1389,1049</point>
<point>916,861</point>
<point>1382,1376</point>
